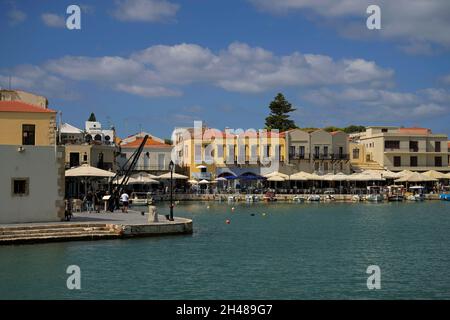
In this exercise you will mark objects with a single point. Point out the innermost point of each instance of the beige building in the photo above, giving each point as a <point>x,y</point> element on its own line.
<point>26,97</point>
<point>207,153</point>
<point>155,156</point>
<point>26,124</point>
<point>32,165</point>
<point>396,149</point>
<point>318,151</point>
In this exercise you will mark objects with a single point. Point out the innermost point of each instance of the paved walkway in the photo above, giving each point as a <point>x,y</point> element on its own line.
<point>130,218</point>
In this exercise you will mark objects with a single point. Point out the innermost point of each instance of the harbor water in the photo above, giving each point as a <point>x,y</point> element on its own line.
<point>266,251</point>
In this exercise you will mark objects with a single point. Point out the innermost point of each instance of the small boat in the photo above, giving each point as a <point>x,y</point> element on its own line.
<point>231,198</point>
<point>313,197</point>
<point>252,198</point>
<point>396,197</point>
<point>417,195</point>
<point>298,199</point>
<point>374,194</point>
<point>140,198</point>
<point>395,193</point>
<point>269,196</point>
<point>445,196</point>
<point>357,198</point>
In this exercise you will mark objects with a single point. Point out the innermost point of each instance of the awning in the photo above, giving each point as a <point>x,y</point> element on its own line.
<point>88,171</point>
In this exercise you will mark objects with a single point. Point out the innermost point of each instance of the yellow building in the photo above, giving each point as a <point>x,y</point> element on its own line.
<point>207,153</point>
<point>32,170</point>
<point>26,124</point>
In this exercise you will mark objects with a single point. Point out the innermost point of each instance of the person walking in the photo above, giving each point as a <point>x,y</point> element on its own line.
<point>125,199</point>
<point>89,201</point>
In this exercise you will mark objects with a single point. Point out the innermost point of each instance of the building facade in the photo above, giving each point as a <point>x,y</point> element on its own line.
<point>318,151</point>
<point>206,153</point>
<point>397,149</point>
<point>32,170</point>
<point>155,156</point>
<point>94,145</point>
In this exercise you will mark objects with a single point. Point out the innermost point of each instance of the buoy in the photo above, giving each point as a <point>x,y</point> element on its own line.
<point>228,221</point>
<point>207,207</point>
<point>232,208</point>
<point>264,214</point>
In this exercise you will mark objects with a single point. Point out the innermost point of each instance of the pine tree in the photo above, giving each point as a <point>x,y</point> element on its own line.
<point>92,117</point>
<point>279,114</point>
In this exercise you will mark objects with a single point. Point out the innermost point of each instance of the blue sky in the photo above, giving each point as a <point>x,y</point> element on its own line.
<point>157,64</point>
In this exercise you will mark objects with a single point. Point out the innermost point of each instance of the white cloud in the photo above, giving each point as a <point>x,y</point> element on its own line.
<point>155,71</point>
<point>53,20</point>
<point>148,91</point>
<point>35,79</point>
<point>416,23</point>
<point>145,10</point>
<point>383,103</point>
<point>16,16</point>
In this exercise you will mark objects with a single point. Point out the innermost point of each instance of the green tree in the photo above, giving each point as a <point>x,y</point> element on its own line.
<point>279,114</point>
<point>353,129</point>
<point>92,117</point>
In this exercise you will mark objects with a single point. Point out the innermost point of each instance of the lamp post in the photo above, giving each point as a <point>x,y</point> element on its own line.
<point>171,166</point>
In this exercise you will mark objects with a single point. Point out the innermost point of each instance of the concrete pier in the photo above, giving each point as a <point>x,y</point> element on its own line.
<point>93,226</point>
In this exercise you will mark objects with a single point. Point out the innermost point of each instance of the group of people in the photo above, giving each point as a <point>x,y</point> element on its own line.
<point>94,201</point>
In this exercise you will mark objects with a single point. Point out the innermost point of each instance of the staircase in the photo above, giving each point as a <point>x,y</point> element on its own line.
<point>371,165</point>
<point>54,233</point>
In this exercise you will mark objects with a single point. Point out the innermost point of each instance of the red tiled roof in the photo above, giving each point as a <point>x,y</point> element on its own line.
<point>415,130</point>
<point>333,133</point>
<point>19,106</point>
<point>149,143</point>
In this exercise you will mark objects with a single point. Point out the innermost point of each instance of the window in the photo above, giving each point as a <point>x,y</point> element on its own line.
<point>20,186</point>
<point>302,152</point>
<point>316,151</point>
<point>28,134</point>
<point>384,130</point>
<point>413,162</point>
<point>438,161</point>
<point>397,161</point>
<point>316,166</point>
<point>389,144</point>
<point>437,146</point>
<point>74,159</point>
<point>341,152</point>
<point>413,146</point>
<point>325,151</point>
<point>292,150</point>
<point>325,166</point>
<point>356,153</point>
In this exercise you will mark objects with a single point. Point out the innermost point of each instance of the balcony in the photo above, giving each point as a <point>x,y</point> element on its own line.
<point>298,157</point>
<point>201,175</point>
<point>340,156</point>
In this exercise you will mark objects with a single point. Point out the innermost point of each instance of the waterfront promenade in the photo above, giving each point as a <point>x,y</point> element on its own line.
<point>93,226</point>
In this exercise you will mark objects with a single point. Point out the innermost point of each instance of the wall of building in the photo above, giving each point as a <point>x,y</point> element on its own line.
<point>92,153</point>
<point>27,97</point>
<point>43,167</point>
<point>11,127</point>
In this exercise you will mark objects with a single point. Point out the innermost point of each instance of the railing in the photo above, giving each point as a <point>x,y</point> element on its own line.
<point>201,175</point>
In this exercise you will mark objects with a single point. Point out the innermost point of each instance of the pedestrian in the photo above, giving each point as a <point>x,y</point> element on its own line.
<point>89,201</point>
<point>124,198</point>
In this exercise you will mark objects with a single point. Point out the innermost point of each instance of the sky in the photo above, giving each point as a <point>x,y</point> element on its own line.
<point>154,65</point>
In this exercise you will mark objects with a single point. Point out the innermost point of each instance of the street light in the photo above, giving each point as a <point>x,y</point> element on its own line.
<point>171,166</point>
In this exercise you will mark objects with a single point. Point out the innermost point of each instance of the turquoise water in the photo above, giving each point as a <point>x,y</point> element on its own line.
<point>294,251</point>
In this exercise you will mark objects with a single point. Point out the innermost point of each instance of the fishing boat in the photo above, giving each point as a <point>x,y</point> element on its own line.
<point>252,198</point>
<point>313,197</point>
<point>417,195</point>
<point>374,194</point>
<point>446,194</point>
<point>140,198</point>
<point>356,198</point>
<point>298,199</point>
<point>269,196</point>
<point>395,193</point>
